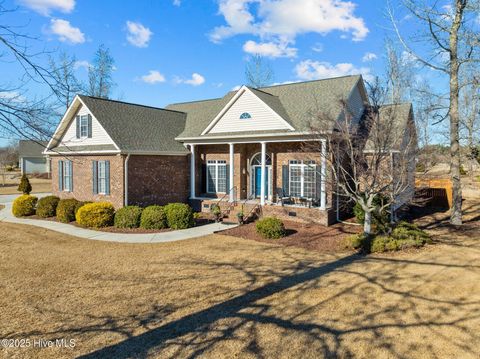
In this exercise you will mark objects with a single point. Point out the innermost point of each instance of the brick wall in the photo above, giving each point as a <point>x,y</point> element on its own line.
<point>158,179</point>
<point>82,179</point>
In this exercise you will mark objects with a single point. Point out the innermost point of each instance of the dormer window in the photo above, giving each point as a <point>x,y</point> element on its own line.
<point>245,116</point>
<point>84,126</point>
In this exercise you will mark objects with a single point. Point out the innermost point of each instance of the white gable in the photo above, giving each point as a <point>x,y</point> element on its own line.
<point>262,116</point>
<point>99,135</point>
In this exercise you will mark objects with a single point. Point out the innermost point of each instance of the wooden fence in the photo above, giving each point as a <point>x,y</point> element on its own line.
<point>438,191</point>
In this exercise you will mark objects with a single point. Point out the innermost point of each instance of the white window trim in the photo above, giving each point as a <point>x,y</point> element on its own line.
<point>100,179</point>
<point>302,166</point>
<point>216,164</point>
<point>81,119</point>
<point>66,184</point>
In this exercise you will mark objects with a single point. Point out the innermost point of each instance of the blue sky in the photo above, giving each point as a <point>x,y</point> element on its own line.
<point>179,39</point>
<point>170,51</point>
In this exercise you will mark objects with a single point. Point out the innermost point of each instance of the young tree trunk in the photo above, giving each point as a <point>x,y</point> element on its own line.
<point>456,215</point>
<point>367,225</point>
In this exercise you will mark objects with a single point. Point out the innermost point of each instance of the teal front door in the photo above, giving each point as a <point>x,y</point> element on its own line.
<point>258,181</point>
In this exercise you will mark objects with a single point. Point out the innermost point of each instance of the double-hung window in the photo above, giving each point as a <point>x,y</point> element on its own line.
<point>216,176</point>
<point>303,179</point>
<point>101,177</point>
<point>65,176</point>
<point>84,126</point>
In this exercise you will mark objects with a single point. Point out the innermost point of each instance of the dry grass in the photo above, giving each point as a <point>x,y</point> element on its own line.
<point>39,185</point>
<point>224,297</point>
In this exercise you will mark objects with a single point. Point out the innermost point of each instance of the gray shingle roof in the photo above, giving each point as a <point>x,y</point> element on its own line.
<point>28,148</point>
<point>294,102</point>
<point>138,128</point>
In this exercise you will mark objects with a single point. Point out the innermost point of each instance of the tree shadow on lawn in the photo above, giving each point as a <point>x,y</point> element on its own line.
<point>197,333</point>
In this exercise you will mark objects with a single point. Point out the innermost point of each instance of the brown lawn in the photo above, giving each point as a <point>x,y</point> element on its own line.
<point>221,296</point>
<point>39,185</point>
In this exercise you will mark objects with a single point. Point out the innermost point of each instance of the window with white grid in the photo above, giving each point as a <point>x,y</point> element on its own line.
<point>303,179</point>
<point>216,176</point>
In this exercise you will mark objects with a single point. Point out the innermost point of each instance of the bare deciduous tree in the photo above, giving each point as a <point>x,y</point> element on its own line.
<point>258,72</point>
<point>66,83</point>
<point>100,73</point>
<point>369,158</point>
<point>451,40</point>
<point>21,115</point>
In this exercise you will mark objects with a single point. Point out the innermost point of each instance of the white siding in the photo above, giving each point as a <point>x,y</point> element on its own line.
<point>263,118</point>
<point>99,135</point>
<point>356,103</point>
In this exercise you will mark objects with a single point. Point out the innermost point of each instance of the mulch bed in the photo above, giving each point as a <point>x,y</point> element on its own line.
<point>309,236</point>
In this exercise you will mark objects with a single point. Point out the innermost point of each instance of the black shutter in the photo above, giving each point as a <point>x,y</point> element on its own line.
<point>60,175</point>
<point>70,172</point>
<point>227,190</point>
<point>77,120</point>
<point>94,176</point>
<point>204,178</point>
<point>89,126</point>
<point>107,178</point>
<point>285,180</point>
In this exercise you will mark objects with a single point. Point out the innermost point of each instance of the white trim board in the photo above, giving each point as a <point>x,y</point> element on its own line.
<point>265,114</point>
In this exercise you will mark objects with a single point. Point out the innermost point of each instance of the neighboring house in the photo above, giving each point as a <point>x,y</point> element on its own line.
<point>246,147</point>
<point>31,157</point>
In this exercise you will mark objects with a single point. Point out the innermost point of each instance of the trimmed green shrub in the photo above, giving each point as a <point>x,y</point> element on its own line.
<point>153,217</point>
<point>179,215</point>
<point>47,206</point>
<point>25,187</point>
<point>24,205</point>
<point>128,217</point>
<point>271,228</point>
<point>66,210</point>
<point>404,235</point>
<point>357,241</point>
<point>96,215</point>
<point>80,204</point>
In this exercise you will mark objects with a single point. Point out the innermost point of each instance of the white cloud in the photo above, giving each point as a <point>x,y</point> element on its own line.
<point>153,77</point>
<point>195,80</point>
<point>138,35</point>
<point>318,47</point>
<point>66,32</point>
<point>285,19</point>
<point>45,7</point>
<point>82,64</point>
<point>316,70</point>
<point>269,49</point>
<point>13,96</point>
<point>369,56</point>
<point>177,2</point>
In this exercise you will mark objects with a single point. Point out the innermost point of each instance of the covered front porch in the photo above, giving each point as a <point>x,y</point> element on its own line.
<point>281,176</point>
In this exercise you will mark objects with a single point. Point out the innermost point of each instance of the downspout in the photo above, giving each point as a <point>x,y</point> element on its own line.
<point>126,181</point>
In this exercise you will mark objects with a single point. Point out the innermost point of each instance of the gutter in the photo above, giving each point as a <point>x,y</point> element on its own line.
<point>126,181</point>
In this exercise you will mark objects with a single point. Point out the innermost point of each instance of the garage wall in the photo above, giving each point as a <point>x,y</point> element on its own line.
<point>33,165</point>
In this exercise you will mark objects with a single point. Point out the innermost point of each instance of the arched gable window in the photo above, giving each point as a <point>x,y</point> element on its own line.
<point>245,116</point>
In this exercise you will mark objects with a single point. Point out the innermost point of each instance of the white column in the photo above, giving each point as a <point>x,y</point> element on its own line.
<point>323,194</point>
<point>263,172</point>
<point>192,172</point>
<point>232,191</point>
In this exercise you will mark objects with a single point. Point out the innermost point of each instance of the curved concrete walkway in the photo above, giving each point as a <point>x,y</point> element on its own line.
<point>6,216</point>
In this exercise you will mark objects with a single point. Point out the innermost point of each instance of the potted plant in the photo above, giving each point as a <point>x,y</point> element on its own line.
<point>240,217</point>
<point>217,212</point>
